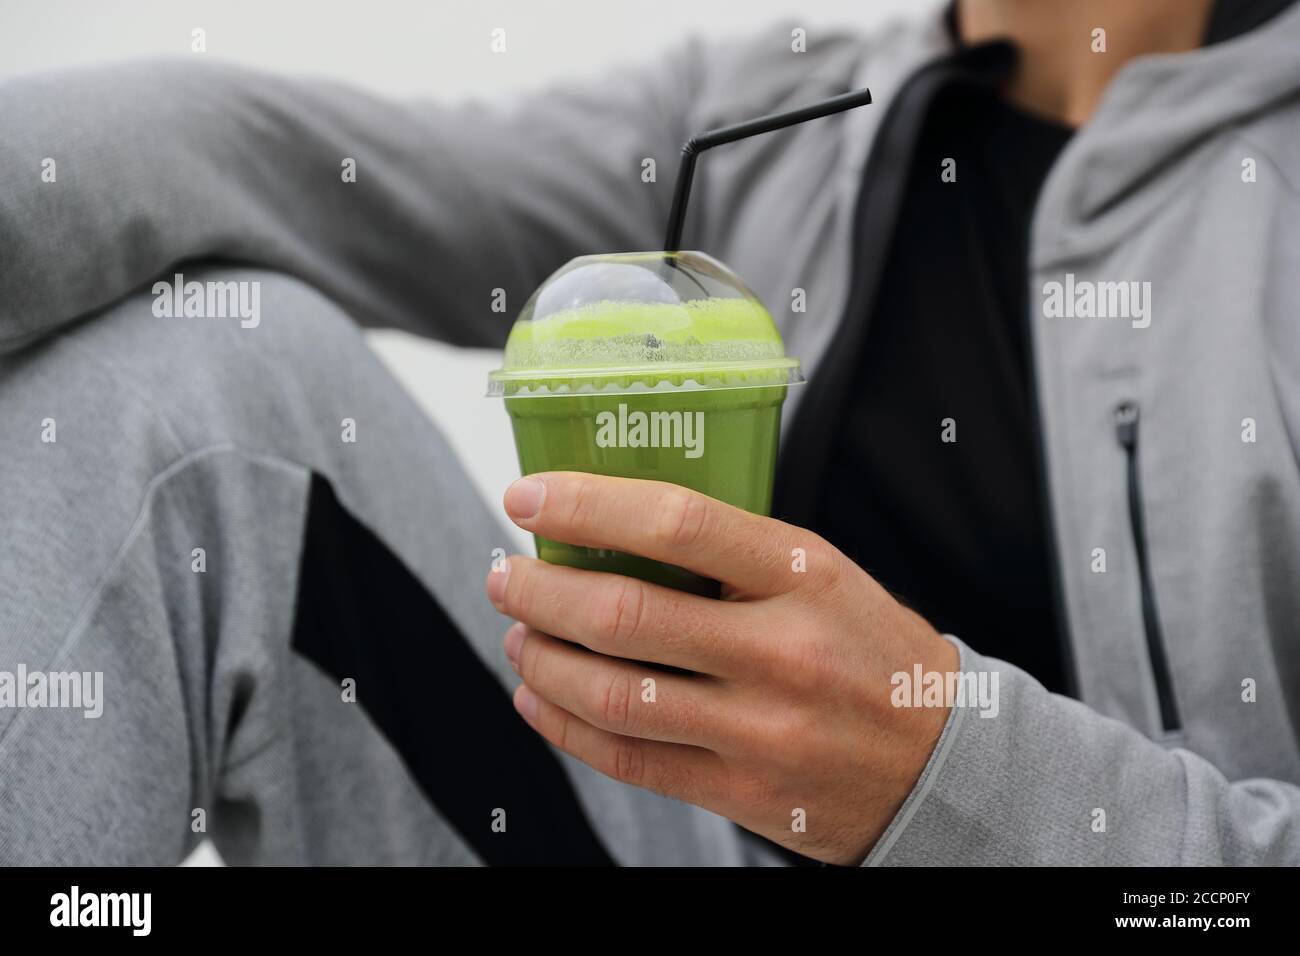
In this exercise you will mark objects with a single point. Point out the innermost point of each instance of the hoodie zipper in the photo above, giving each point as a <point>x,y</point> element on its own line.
<point>1126,431</point>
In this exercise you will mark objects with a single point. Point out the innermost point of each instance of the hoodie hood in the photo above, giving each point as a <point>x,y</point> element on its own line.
<point>1156,113</point>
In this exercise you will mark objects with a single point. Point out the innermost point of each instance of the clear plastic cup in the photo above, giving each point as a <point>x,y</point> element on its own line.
<point>659,365</point>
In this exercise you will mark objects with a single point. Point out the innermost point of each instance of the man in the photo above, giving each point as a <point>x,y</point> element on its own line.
<point>1105,494</point>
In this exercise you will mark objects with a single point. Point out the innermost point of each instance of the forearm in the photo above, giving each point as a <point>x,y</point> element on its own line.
<point>156,163</point>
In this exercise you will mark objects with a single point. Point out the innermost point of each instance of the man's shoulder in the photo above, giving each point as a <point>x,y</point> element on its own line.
<point>788,63</point>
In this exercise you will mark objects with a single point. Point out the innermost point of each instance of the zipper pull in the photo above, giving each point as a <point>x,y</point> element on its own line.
<point>1126,424</point>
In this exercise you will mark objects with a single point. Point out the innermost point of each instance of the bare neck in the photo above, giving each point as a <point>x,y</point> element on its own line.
<point>1061,74</point>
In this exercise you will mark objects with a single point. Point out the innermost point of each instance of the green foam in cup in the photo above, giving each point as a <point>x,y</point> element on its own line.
<point>647,365</point>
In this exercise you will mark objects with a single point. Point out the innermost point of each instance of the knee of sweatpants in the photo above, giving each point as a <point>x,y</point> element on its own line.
<point>95,413</point>
<point>245,356</point>
<point>271,366</point>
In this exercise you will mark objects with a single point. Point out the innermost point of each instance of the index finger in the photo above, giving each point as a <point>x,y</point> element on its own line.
<point>662,521</point>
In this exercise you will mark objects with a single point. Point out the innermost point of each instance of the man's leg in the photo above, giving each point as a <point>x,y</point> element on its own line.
<point>275,562</point>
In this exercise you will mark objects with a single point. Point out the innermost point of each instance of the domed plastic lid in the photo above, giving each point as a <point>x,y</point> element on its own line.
<point>642,321</point>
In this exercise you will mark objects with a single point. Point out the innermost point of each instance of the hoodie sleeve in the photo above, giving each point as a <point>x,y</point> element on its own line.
<point>1047,781</point>
<point>109,176</point>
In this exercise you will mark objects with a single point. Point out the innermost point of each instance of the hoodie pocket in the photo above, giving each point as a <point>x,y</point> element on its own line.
<point>1126,431</point>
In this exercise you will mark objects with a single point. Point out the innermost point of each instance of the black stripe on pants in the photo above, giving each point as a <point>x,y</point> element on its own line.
<point>362,614</point>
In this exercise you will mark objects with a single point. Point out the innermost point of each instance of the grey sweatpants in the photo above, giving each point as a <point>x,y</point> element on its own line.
<point>160,478</point>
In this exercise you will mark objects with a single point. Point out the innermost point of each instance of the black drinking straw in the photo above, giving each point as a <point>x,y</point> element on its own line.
<point>729,134</point>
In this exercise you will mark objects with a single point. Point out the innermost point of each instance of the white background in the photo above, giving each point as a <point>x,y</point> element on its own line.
<point>405,48</point>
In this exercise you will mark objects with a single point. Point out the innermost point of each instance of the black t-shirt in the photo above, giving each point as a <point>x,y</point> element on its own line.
<point>955,529</point>
<point>958,530</point>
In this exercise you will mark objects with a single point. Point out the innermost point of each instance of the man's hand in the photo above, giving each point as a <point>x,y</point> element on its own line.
<point>785,723</point>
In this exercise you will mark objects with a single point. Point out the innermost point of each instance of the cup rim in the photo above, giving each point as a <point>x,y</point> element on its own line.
<point>518,383</point>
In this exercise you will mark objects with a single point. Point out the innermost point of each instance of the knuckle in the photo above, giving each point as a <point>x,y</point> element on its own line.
<point>579,501</point>
<point>614,706</point>
<point>787,735</point>
<point>528,662</point>
<point>689,788</point>
<point>800,662</point>
<point>825,566</point>
<point>521,589</point>
<point>622,618</point>
<point>750,788</point>
<point>798,727</point>
<point>681,519</point>
<point>562,732</point>
<point>628,762</point>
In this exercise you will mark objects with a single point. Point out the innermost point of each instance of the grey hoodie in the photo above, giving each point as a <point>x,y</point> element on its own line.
<point>1170,438</point>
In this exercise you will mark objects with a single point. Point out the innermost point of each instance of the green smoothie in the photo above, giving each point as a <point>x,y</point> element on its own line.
<point>687,391</point>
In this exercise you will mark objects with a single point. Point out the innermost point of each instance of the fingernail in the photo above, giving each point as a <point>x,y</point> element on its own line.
<point>524,498</point>
<point>526,703</point>
<point>514,641</point>
<point>496,586</point>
